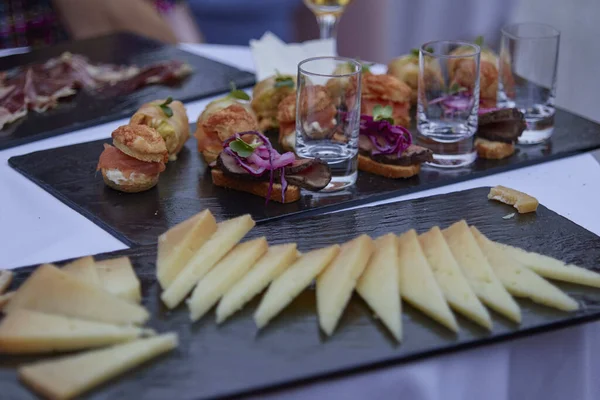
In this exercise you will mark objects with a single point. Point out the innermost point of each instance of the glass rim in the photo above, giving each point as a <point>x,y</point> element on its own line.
<point>555,32</point>
<point>459,43</point>
<point>332,75</point>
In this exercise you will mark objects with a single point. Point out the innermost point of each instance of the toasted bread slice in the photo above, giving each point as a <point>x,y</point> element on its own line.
<point>493,150</point>
<point>292,193</point>
<point>387,170</point>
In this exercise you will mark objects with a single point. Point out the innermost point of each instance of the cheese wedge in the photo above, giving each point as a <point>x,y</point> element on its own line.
<point>179,244</point>
<point>5,298</point>
<point>224,275</point>
<point>53,291</point>
<point>71,376</point>
<point>6,278</point>
<point>292,282</point>
<point>337,281</point>
<point>83,269</point>
<point>117,277</point>
<point>450,278</point>
<point>552,268</point>
<point>478,271</point>
<point>227,235</point>
<point>378,285</point>
<point>417,282</point>
<point>268,268</point>
<point>24,331</point>
<point>521,281</point>
<point>523,202</point>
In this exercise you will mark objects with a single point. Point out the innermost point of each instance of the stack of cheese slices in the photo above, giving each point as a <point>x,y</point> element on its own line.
<point>85,305</point>
<point>457,268</point>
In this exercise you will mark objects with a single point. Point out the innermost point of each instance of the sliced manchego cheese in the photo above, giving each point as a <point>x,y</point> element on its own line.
<point>378,285</point>
<point>24,331</point>
<point>117,277</point>
<point>268,268</point>
<point>227,235</point>
<point>417,282</point>
<point>224,275</point>
<point>337,281</point>
<point>291,282</point>
<point>450,278</point>
<point>6,278</point>
<point>521,281</point>
<point>5,298</point>
<point>179,244</point>
<point>552,268</point>
<point>71,376</point>
<point>53,291</point>
<point>479,272</point>
<point>83,269</point>
<point>523,202</point>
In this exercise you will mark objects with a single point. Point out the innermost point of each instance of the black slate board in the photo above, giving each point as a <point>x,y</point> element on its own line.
<point>87,109</point>
<point>185,187</point>
<point>235,359</point>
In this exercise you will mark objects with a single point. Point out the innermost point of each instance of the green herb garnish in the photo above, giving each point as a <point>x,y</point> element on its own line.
<point>237,94</point>
<point>381,113</point>
<point>365,66</point>
<point>479,40</point>
<point>284,81</point>
<point>455,88</point>
<point>415,52</point>
<point>242,148</point>
<point>165,107</point>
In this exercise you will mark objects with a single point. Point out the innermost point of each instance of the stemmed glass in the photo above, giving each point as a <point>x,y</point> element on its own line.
<point>328,13</point>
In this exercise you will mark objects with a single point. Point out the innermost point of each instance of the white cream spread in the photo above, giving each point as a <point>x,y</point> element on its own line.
<point>116,176</point>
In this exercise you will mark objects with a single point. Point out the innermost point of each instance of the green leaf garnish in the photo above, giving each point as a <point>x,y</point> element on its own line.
<point>284,81</point>
<point>165,107</point>
<point>414,52</point>
<point>381,113</point>
<point>237,94</point>
<point>455,88</point>
<point>479,40</point>
<point>242,148</point>
<point>365,66</point>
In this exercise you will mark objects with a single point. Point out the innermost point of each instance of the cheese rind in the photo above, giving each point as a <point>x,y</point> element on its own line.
<point>268,268</point>
<point>450,278</point>
<point>24,331</point>
<point>479,272</point>
<point>417,282</point>
<point>552,268</point>
<point>179,244</point>
<point>227,235</point>
<point>521,281</point>
<point>6,278</point>
<point>71,376</point>
<point>118,277</point>
<point>523,202</point>
<point>224,275</point>
<point>53,291</point>
<point>378,285</point>
<point>337,281</point>
<point>84,270</point>
<point>291,282</point>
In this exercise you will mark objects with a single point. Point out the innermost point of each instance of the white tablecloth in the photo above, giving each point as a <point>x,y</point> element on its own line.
<point>35,228</point>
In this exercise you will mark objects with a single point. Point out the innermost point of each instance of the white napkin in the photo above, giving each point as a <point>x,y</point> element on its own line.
<point>271,54</point>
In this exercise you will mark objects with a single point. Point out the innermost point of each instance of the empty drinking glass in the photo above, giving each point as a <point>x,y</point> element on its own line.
<point>328,115</point>
<point>527,70</point>
<point>448,101</point>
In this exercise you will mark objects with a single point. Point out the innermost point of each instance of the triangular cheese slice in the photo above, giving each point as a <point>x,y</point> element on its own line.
<point>337,281</point>
<point>117,277</point>
<point>378,285</point>
<point>71,376</point>
<point>268,268</point>
<point>292,282</point>
<point>224,275</point>
<point>24,331</point>
<point>417,282</point>
<point>227,235</point>
<point>83,269</point>
<point>451,280</point>
<point>478,271</point>
<point>179,244</point>
<point>6,278</point>
<point>552,268</point>
<point>521,281</point>
<point>53,291</point>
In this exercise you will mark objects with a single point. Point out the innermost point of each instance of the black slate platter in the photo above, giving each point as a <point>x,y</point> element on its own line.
<point>185,187</point>
<point>235,359</point>
<point>88,109</point>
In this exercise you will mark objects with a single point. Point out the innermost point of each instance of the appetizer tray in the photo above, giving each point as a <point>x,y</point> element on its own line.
<point>87,109</point>
<point>234,359</point>
<point>185,188</point>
